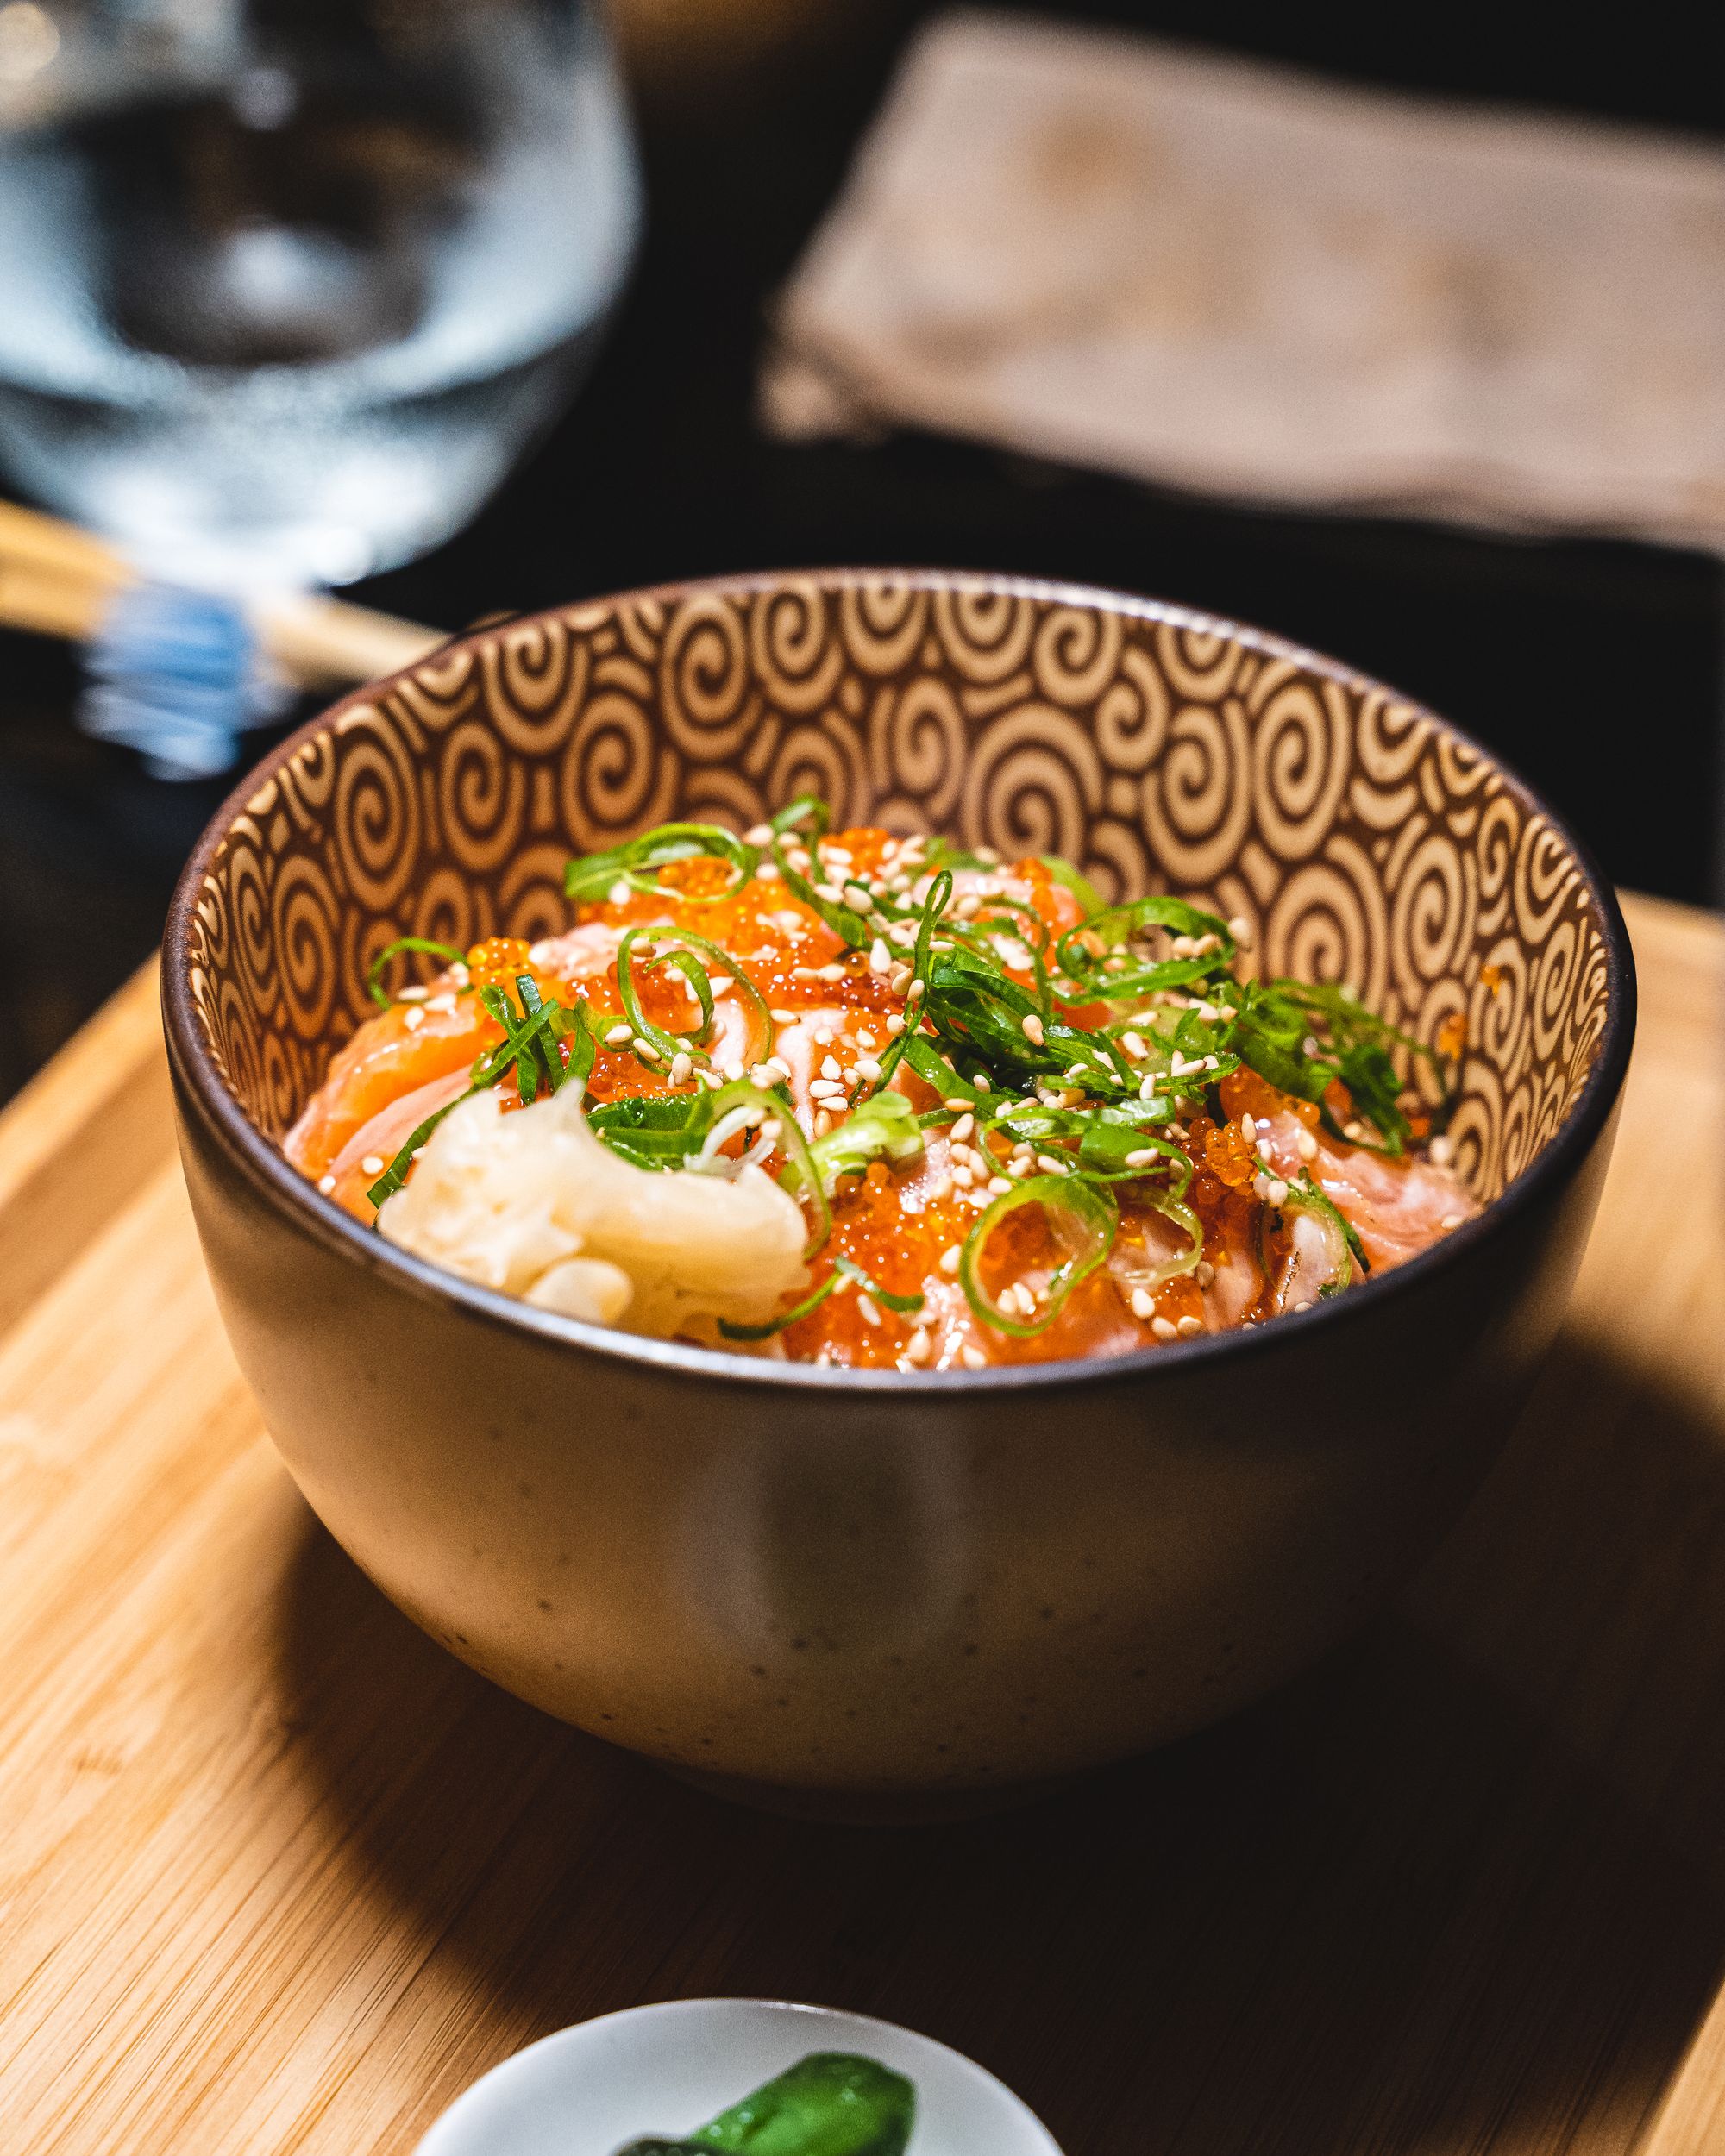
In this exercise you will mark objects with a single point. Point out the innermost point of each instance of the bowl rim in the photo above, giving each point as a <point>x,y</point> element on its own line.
<point>303,1208</point>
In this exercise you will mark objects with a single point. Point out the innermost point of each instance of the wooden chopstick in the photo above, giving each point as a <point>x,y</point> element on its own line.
<point>58,581</point>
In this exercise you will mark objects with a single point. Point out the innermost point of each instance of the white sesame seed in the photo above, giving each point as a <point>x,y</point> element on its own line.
<point>1165,1329</point>
<point>825,1089</point>
<point>968,906</point>
<point>1141,1157</point>
<point>1442,1151</point>
<point>940,1188</point>
<point>948,1260</point>
<point>997,1186</point>
<point>718,982</point>
<point>1147,1090</point>
<point>983,1082</point>
<point>973,1358</point>
<point>413,1018</point>
<point>1248,1128</point>
<point>1303,1306</point>
<point>778,1066</point>
<point>1189,1327</point>
<point>444,1004</point>
<point>1263,1149</point>
<point>1354,1132</point>
<point>823,1122</point>
<point>618,893</point>
<point>418,995</point>
<point>326,1184</point>
<point>831,892</point>
<point>916,992</point>
<point>1450,1220</point>
<point>1133,1044</point>
<point>733,1068</point>
<point>829,1067</point>
<point>1032,1027</point>
<point>619,1036</point>
<point>1260,1185</point>
<point>681,1064</point>
<point>832,971</point>
<point>767,873</point>
<point>1050,1164</point>
<point>901,980</point>
<point>762,1075</point>
<point>965,1125</point>
<point>1240,929</point>
<point>758,834</point>
<point>1203,1272</point>
<point>964,1176</point>
<point>372,1165</point>
<point>644,1049</point>
<point>1277,1193</point>
<point>1207,1011</point>
<point>919,1347</point>
<point>804,973</point>
<point>868,1308</point>
<point>1142,1306</point>
<point>895,1025</point>
<point>1305,1145</point>
<point>880,958</point>
<point>784,1018</point>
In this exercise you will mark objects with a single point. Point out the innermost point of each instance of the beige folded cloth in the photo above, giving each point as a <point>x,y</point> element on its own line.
<point>1102,249</point>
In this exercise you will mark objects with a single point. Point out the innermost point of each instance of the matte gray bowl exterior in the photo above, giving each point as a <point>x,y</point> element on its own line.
<point>872,1584</point>
<point>796,1579</point>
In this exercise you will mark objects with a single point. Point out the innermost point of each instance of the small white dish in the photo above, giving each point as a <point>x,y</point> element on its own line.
<point>590,2089</point>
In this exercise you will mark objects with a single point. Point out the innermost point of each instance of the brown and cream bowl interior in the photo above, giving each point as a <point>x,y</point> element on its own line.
<point>870,1586</point>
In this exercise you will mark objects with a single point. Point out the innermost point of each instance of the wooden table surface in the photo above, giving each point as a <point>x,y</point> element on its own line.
<point>277,1875</point>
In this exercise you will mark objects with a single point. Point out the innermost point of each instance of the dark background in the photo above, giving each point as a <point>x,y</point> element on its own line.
<point>1594,667</point>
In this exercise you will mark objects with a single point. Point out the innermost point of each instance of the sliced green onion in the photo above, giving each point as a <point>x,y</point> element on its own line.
<point>759,1045</point>
<point>799,1174</point>
<point>694,973</point>
<point>843,1270</point>
<point>374,972</point>
<point>590,879</point>
<point>1075,881</point>
<point>1346,1250</point>
<point>1081,1214</point>
<point>882,1127</point>
<point>1176,1210</point>
<point>668,1044</point>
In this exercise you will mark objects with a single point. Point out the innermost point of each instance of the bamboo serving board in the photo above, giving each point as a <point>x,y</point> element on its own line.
<point>277,1875</point>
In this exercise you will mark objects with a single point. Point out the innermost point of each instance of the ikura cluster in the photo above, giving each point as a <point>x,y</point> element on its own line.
<point>884,1102</point>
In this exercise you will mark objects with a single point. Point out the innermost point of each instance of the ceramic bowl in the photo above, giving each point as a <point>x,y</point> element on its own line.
<point>588,2090</point>
<point>880,1586</point>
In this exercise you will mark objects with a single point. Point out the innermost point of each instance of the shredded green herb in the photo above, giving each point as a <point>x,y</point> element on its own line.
<point>380,965</point>
<point>1128,1020</point>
